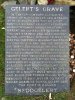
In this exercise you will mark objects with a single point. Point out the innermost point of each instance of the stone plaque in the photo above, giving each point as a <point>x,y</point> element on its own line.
<point>37,49</point>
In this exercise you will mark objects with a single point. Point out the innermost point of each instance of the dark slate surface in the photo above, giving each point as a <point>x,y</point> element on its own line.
<point>37,49</point>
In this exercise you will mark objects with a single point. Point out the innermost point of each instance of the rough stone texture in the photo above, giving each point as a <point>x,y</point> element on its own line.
<point>12,2</point>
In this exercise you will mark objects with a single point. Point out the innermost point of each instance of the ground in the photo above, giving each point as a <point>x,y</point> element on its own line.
<point>57,96</point>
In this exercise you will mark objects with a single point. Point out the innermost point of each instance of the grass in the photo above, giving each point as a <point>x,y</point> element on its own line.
<point>56,96</point>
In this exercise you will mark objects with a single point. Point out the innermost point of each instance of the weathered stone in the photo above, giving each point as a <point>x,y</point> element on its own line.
<point>4,4</point>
